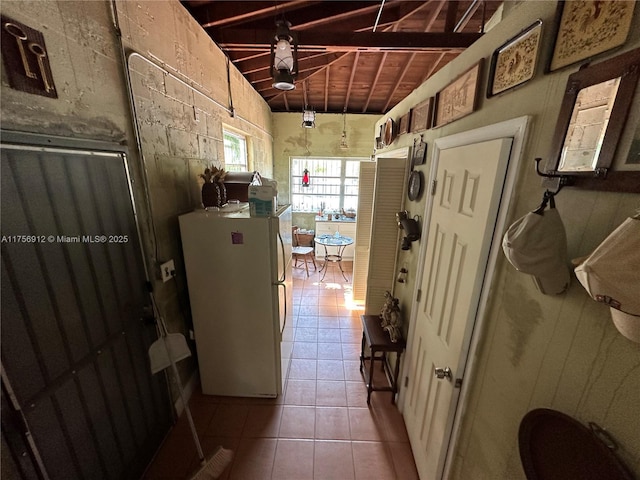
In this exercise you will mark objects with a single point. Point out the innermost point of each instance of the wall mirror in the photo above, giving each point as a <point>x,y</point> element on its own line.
<point>593,116</point>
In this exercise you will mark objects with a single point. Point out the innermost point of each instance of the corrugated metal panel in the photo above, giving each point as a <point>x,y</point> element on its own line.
<point>74,347</point>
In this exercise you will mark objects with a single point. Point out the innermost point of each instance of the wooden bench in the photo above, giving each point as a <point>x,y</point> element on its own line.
<point>378,341</point>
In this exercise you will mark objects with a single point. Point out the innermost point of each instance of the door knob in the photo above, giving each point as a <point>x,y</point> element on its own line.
<point>442,373</point>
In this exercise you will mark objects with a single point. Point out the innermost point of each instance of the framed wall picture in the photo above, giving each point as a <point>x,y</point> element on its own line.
<point>459,98</point>
<point>404,124</point>
<point>514,62</point>
<point>422,115</point>
<point>587,28</point>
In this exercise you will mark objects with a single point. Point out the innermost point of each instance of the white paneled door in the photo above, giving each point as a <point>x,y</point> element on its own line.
<point>463,216</point>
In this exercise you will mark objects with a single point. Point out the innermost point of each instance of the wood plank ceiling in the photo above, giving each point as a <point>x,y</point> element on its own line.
<point>354,57</point>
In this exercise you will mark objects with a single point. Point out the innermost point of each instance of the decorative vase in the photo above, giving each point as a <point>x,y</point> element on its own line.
<point>211,195</point>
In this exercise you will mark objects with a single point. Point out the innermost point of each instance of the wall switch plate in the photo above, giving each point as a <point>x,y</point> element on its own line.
<point>167,270</point>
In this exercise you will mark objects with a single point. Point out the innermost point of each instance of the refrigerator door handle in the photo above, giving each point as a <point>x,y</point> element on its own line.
<point>284,286</point>
<point>282,277</point>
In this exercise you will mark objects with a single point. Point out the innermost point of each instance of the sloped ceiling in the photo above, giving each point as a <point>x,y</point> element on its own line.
<point>354,57</point>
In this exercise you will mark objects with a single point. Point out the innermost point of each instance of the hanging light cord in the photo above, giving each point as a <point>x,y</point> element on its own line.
<point>231,110</point>
<point>378,17</point>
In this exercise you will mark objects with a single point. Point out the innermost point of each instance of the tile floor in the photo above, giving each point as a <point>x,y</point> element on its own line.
<point>321,428</point>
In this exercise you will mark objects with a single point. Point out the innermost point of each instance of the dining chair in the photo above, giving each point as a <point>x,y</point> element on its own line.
<point>305,253</point>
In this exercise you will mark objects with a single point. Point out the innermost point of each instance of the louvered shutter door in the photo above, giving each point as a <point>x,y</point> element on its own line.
<point>384,233</point>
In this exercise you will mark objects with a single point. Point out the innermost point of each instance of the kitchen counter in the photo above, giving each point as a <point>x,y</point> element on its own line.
<point>342,219</point>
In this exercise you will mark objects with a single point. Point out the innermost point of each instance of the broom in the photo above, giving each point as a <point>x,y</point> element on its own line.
<point>211,468</point>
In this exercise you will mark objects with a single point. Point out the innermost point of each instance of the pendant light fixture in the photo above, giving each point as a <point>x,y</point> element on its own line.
<point>308,118</point>
<point>284,58</point>
<point>343,139</point>
<point>305,178</point>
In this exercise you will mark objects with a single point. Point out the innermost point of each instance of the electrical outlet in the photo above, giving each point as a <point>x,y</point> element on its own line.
<point>167,270</point>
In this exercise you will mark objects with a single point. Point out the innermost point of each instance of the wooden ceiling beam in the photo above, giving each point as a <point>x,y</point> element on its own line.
<point>452,15</point>
<point>429,25</point>
<point>350,41</point>
<point>226,13</point>
<point>353,73</point>
<point>343,13</point>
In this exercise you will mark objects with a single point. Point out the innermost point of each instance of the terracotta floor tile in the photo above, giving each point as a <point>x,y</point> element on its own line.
<point>263,421</point>
<point>306,350</point>
<point>331,393</point>
<point>297,422</point>
<point>356,394</point>
<point>329,351</point>
<point>372,461</point>
<point>328,310</point>
<point>307,321</point>
<point>306,334</point>
<point>305,309</point>
<point>322,427</point>
<point>352,370</point>
<point>328,322</point>
<point>294,460</point>
<point>228,420</point>
<point>351,322</point>
<point>351,351</point>
<point>365,424</point>
<point>201,412</point>
<point>333,461</point>
<point>403,462</point>
<point>332,423</point>
<point>329,335</point>
<point>303,369</point>
<point>300,392</point>
<point>351,335</point>
<point>174,458</point>
<point>330,370</point>
<point>253,460</point>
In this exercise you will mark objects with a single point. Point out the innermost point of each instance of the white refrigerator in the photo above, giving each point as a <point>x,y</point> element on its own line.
<point>240,290</point>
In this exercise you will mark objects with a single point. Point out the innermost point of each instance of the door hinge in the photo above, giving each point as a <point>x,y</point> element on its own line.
<point>458,383</point>
<point>434,184</point>
<point>418,295</point>
<point>406,382</point>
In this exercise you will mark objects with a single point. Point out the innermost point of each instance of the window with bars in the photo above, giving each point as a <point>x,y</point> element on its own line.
<point>235,152</point>
<point>333,184</point>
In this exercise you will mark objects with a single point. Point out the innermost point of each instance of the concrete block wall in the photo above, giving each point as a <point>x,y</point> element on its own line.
<point>181,97</point>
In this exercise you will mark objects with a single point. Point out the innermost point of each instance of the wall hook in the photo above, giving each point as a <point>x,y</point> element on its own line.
<point>562,180</point>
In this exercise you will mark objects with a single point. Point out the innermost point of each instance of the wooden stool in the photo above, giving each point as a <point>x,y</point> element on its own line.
<point>378,340</point>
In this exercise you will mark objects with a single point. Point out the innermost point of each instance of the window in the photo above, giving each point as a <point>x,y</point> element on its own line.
<point>235,152</point>
<point>333,184</point>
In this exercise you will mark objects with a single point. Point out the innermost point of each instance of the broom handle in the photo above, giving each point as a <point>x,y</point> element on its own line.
<point>164,332</point>
<point>194,432</point>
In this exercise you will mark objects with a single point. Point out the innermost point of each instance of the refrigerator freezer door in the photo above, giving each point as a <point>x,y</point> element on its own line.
<point>231,266</point>
<point>285,288</point>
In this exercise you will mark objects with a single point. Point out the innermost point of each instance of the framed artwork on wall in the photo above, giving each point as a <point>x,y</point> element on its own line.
<point>586,28</point>
<point>514,62</point>
<point>404,124</point>
<point>421,116</point>
<point>459,98</point>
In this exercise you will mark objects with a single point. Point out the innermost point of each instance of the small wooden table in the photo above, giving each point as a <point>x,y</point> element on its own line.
<point>378,340</point>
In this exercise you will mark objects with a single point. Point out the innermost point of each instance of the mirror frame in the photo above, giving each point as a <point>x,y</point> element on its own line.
<point>627,67</point>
